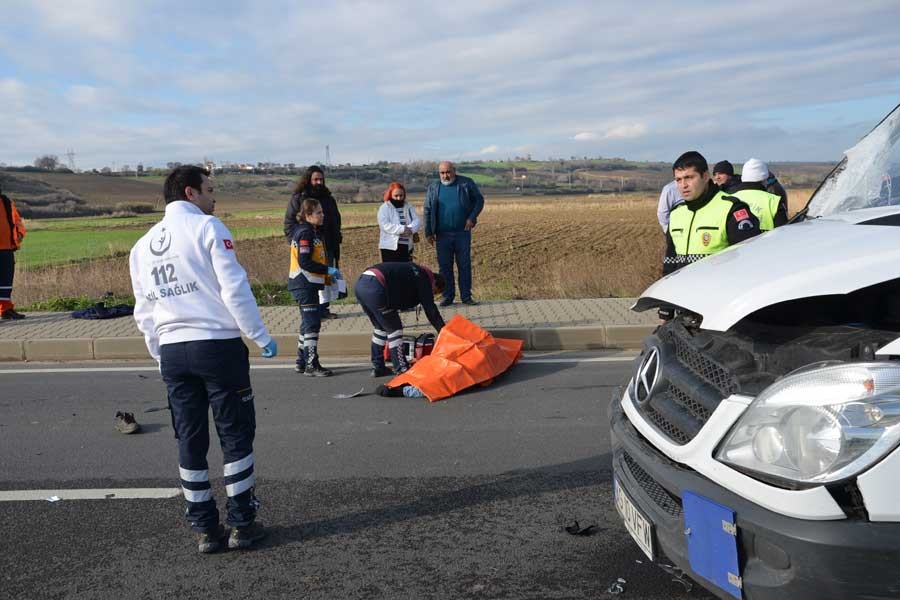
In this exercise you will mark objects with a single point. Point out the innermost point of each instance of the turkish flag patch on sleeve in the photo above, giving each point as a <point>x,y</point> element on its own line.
<point>228,244</point>
<point>741,215</point>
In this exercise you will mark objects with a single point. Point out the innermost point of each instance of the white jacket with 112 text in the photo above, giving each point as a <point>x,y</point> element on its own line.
<point>188,284</point>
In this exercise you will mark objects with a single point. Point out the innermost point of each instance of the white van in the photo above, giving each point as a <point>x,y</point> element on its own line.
<point>756,446</point>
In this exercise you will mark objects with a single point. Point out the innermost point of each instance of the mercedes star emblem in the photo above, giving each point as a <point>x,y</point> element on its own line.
<point>646,377</point>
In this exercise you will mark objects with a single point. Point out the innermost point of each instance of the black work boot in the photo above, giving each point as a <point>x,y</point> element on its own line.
<point>242,538</point>
<point>211,541</point>
<point>378,368</point>
<point>398,359</point>
<point>313,368</point>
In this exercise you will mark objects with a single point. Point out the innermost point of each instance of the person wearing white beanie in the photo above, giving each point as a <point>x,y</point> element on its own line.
<point>771,210</point>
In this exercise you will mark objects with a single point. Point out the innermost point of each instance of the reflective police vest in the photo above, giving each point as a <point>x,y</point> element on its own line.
<point>701,231</point>
<point>762,204</point>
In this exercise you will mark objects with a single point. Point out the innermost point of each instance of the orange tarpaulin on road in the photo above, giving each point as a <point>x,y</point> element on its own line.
<point>464,355</point>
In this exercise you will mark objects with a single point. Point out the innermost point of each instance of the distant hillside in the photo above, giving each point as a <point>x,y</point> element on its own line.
<point>42,194</point>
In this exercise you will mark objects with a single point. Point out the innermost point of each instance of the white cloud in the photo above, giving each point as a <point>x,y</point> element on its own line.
<point>99,19</point>
<point>260,81</point>
<point>83,96</point>
<point>626,132</point>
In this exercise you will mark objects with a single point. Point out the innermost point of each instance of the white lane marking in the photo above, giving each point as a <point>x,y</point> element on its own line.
<point>94,494</point>
<point>261,367</point>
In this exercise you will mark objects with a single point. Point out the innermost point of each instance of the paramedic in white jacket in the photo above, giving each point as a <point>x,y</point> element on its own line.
<point>192,301</point>
<point>399,225</point>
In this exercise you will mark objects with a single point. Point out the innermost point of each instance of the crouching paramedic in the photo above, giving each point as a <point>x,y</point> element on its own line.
<point>383,290</point>
<point>192,301</point>
<point>308,275</point>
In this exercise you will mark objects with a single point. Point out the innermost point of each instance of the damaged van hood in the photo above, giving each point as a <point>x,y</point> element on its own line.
<point>845,238</point>
<point>834,255</point>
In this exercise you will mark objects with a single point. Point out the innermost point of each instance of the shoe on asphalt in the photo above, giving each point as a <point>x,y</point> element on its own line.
<point>11,315</point>
<point>317,370</point>
<point>470,302</point>
<point>125,423</point>
<point>299,368</point>
<point>381,371</point>
<point>446,302</point>
<point>211,541</point>
<point>242,538</point>
<point>383,390</point>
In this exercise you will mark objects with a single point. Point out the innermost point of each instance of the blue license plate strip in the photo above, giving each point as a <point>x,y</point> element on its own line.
<point>711,535</point>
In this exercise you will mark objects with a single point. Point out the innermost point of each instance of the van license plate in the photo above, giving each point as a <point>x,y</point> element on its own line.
<point>637,524</point>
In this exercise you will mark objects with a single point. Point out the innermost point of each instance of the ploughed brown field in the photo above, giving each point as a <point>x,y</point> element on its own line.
<point>523,247</point>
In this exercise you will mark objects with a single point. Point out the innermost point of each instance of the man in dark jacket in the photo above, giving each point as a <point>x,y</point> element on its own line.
<point>773,186</point>
<point>386,288</point>
<point>452,206</point>
<point>724,177</point>
<point>312,185</point>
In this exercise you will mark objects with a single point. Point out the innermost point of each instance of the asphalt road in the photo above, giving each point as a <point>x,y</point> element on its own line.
<point>366,497</point>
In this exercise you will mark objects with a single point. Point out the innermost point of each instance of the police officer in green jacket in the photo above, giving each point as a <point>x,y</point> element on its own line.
<point>707,221</point>
<point>770,209</point>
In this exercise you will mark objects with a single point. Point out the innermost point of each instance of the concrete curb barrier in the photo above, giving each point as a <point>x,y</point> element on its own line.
<point>627,336</point>
<point>60,349</point>
<point>118,347</point>
<point>514,333</point>
<point>12,350</point>
<point>331,345</point>
<point>568,338</point>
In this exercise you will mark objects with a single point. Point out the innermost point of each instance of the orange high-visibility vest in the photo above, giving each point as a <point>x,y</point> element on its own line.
<point>12,229</point>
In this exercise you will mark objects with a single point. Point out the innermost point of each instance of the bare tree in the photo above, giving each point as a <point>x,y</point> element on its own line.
<point>48,162</point>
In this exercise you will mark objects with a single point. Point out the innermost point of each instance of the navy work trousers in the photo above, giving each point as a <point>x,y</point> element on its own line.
<point>7,270</point>
<point>455,246</point>
<point>307,298</point>
<point>200,375</point>
<point>372,297</point>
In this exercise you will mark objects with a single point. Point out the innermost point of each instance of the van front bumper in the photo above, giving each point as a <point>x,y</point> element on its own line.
<point>779,557</point>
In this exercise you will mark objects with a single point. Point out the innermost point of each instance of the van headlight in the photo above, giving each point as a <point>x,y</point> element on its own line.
<point>819,425</point>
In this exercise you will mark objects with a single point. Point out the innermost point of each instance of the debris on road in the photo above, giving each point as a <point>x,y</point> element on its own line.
<point>576,529</point>
<point>616,587</point>
<point>678,575</point>
<point>54,499</point>
<point>156,408</point>
<point>353,395</point>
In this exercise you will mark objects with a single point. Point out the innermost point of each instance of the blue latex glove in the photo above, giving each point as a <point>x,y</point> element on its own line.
<point>333,272</point>
<point>270,350</point>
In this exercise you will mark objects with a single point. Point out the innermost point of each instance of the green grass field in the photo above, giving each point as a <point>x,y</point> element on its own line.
<point>58,241</point>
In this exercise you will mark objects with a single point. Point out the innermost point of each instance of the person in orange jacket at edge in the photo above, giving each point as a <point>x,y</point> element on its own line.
<point>383,290</point>
<point>12,231</point>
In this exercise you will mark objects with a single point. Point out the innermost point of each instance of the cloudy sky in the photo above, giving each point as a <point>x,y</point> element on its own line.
<point>155,81</point>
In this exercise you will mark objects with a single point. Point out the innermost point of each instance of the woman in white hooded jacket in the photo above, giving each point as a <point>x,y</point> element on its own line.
<point>399,225</point>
